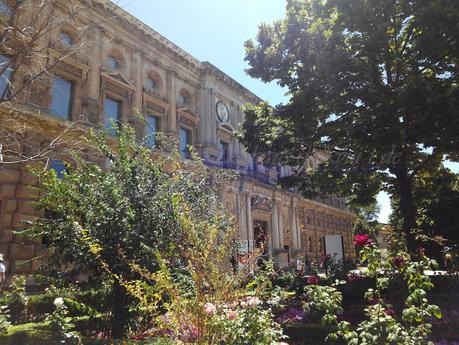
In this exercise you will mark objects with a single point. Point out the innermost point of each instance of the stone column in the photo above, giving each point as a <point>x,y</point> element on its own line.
<point>213,120</point>
<point>96,62</point>
<point>205,100</point>
<point>138,81</point>
<point>281,225</point>
<point>295,230</point>
<point>249,220</point>
<point>171,96</point>
<point>241,215</point>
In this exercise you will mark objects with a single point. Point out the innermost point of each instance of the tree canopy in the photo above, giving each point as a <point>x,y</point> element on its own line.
<point>374,83</point>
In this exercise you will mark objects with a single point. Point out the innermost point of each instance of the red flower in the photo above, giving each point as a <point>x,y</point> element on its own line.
<point>421,251</point>
<point>361,240</point>
<point>313,280</point>
<point>325,258</point>
<point>399,261</point>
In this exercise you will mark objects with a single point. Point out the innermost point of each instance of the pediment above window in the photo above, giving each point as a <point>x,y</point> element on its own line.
<point>119,79</point>
<point>187,116</point>
<point>226,127</point>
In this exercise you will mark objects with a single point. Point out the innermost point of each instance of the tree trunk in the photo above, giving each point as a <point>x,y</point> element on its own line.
<point>119,311</point>
<point>406,205</point>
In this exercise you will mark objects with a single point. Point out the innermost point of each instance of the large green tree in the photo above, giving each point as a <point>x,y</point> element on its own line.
<point>372,82</point>
<point>436,196</point>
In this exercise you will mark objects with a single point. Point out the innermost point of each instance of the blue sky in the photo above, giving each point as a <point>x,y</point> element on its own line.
<point>214,31</point>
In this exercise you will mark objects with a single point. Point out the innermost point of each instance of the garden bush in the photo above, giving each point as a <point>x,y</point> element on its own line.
<point>125,211</point>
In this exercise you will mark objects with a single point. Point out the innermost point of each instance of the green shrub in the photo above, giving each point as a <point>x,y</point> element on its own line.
<point>4,319</point>
<point>16,299</point>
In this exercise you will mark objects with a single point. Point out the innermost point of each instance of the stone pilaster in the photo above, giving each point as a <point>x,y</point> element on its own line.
<point>295,229</point>
<point>171,96</point>
<point>275,226</point>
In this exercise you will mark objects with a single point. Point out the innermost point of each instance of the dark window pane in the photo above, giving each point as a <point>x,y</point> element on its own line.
<point>184,141</point>
<point>61,103</point>
<point>5,8</point>
<point>152,84</point>
<point>5,77</point>
<point>112,115</point>
<point>58,166</point>
<point>152,128</point>
<point>223,151</point>
<point>113,63</point>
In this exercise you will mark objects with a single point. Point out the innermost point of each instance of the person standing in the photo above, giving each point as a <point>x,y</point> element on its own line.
<point>2,272</point>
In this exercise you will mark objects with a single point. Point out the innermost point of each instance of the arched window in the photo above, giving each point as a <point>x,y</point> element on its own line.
<point>185,97</point>
<point>153,81</point>
<point>115,60</point>
<point>113,63</point>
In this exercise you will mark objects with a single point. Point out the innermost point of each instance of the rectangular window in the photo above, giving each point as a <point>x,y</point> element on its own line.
<point>61,101</point>
<point>112,109</point>
<point>152,129</point>
<point>58,166</point>
<point>184,142</point>
<point>224,151</point>
<point>5,77</point>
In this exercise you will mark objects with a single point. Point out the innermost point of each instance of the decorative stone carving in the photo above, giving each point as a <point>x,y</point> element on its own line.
<point>261,203</point>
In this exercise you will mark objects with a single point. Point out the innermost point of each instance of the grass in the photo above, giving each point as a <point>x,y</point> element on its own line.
<point>39,334</point>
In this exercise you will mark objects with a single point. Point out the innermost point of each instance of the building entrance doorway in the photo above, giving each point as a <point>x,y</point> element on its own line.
<point>260,232</point>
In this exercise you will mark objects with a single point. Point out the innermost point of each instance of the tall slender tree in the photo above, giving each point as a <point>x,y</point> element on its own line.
<point>372,82</point>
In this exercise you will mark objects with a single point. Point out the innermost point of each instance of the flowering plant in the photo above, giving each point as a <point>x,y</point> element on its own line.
<point>382,325</point>
<point>61,325</point>
<point>218,302</point>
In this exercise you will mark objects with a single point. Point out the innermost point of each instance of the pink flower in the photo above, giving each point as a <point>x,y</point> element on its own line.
<point>389,312</point>
<point>361,240</point>
<point>253,301</point>
<point>313,280</point>
<point>210,309</point>
<point>231,314</point>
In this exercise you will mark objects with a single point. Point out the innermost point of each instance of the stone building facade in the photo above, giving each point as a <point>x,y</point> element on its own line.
<point>126,67</point>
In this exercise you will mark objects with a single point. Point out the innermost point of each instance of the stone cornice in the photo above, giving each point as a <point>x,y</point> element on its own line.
<point>133,23</point>
<point>219,75</point>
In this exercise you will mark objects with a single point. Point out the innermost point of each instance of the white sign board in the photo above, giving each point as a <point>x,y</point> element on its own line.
<point>334,246</point>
